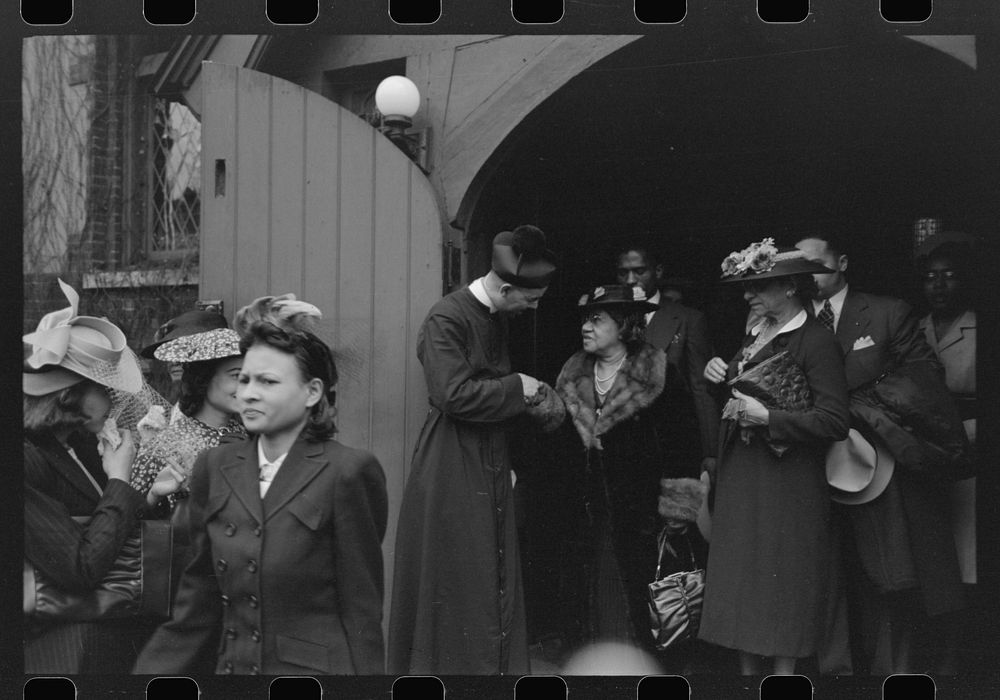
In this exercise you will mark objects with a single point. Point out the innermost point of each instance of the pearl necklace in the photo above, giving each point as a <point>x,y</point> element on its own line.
<point>603,384</point>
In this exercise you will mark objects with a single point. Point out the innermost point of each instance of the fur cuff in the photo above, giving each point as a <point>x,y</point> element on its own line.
<point>547,411</point>
<point>680,499</point>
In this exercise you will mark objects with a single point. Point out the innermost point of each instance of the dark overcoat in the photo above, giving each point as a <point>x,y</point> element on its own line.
<point>620,463</point>
<point>769,558</point>
<point>293,580</point>
<point>688,408</point>
<point>903,537</point>
<point>75,557</point>
<point>457,600</point>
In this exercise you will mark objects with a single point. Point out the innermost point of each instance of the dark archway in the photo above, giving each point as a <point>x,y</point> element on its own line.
<point>709,149</point>
<point>753,140</point>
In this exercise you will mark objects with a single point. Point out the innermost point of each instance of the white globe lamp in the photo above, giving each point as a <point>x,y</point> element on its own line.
<point>398,99</point>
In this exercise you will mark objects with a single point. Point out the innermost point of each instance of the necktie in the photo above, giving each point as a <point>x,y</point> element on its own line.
<point>825,316</point>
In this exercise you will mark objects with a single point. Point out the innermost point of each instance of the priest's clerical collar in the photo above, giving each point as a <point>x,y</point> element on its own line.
<point>478,289</point>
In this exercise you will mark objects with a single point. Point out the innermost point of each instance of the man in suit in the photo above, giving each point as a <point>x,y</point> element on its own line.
<point>907,568</point>
<point>682,333</point>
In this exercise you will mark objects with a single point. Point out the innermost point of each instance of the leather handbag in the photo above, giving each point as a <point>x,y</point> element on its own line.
<point>136,585</point>
<point>778,382</point>
<point>675,601</point>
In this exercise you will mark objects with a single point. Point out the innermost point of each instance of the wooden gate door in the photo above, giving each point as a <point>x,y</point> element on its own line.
<point>300,195</point>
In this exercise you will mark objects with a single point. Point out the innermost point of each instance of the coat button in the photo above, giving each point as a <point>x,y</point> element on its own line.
<point>252,566</point>
<point>230,529</point>
<point>252,600</point>
<point>221,565</point>
<point>257,531</point>
<point>228,667</point>
<point>225,600</point>
<point>255,635</point>
<point>254,671</point>
<point>230,633</point>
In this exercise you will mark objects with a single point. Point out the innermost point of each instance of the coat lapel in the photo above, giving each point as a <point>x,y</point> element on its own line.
<point>68,469</point>
<point>637,385</point>
<point>304,461</point>
<point>956,332</point>
<point>242,475</point>
<point>663,327</point>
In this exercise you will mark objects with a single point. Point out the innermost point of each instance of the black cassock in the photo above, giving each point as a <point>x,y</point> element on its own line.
<point>457,599</point>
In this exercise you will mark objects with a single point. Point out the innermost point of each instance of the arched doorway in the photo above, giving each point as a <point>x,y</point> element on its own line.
<point>707,150</point>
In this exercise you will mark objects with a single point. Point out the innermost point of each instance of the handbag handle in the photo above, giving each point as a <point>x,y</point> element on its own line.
<point>665,545</point>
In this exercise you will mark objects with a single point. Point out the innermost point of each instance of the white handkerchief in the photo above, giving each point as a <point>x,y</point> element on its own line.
<point>862,343</point>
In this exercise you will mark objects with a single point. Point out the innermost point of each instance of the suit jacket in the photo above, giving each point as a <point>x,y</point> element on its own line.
<point>73,556</point>
<point>682,332</point>
<point>293,580</point>
<point>912,535</point>
<point>893,330</point>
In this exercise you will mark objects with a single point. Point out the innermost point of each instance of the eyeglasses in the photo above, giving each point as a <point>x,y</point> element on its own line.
<point>756,285</point>
<point>934,275</point>
<point>595,318</point>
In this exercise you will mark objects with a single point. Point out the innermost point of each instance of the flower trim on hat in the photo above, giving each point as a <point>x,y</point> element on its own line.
<point>757,258</point>
<point>198,347</point>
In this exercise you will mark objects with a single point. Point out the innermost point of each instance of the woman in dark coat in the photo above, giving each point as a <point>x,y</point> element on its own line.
<point>768,561</point>
<point>80,372</point>
<point>608,388</point>
<point>286,530</point>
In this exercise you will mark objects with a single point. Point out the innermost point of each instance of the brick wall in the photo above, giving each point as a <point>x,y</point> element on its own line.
<point>100,244</point>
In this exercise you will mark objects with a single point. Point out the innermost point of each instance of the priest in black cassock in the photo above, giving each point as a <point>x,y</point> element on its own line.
<point>457,598</point>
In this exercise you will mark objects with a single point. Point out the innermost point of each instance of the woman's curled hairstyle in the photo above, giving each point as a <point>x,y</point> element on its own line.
<point>194,385</point>
<point>314,359</point>
<point>631,327</point>
<point>55,411</point>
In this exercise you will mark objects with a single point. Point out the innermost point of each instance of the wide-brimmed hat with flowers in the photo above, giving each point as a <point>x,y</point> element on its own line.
<point>67,348</point>
<point>620,295</point>
<point>763,259</point>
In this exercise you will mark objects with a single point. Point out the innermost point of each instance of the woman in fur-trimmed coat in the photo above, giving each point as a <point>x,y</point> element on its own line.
<point>608,389</point>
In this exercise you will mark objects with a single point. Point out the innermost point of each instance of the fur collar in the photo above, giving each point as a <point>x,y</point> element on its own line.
<point>637,385</point>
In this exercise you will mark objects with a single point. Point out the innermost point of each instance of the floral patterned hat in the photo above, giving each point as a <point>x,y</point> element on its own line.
<point>198,347</point>
<point>761,260</point>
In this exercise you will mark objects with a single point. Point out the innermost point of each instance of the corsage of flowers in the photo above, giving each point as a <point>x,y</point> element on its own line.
<point>757,257</point>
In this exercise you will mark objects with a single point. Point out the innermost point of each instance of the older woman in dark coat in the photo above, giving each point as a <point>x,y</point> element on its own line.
<point>768,560</point>
<point>608,388</point>
<point>286,530</point>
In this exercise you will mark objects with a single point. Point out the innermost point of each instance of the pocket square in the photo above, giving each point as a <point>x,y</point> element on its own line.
<point>862,343</point>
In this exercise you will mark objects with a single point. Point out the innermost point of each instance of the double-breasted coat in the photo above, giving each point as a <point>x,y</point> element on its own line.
<point>457,600</point>
<point>294,580</point>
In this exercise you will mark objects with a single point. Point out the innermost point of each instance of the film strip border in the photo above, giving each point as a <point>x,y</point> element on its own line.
<point>173,13</point>
<point>796,687</point>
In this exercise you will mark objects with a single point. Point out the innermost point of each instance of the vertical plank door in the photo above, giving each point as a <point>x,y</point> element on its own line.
<point>300,195</point>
